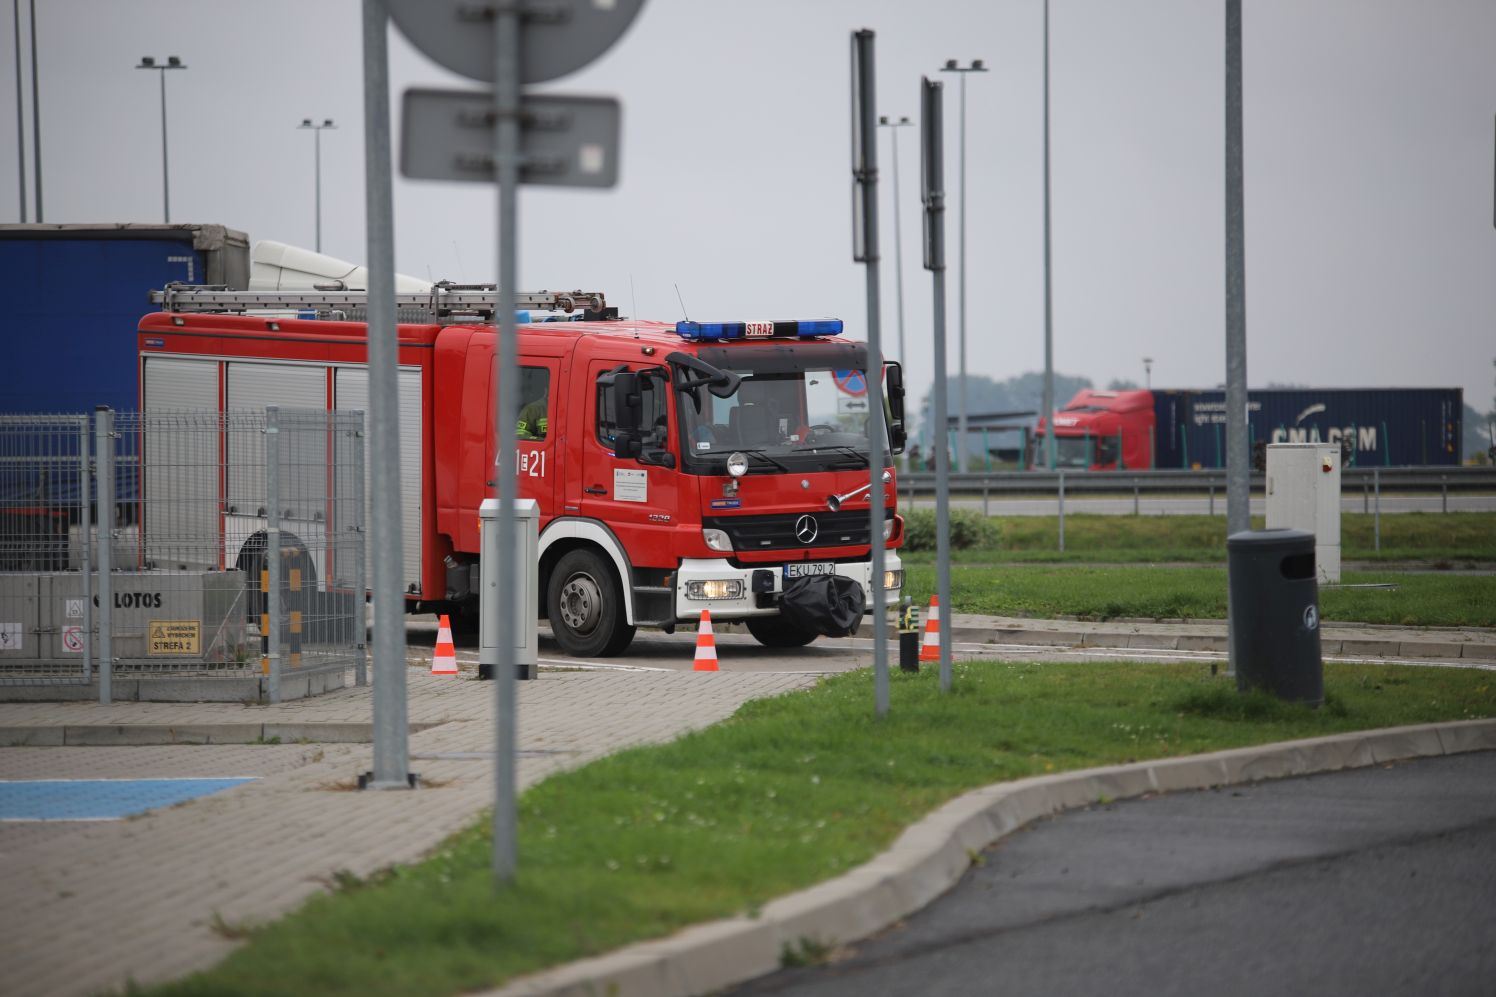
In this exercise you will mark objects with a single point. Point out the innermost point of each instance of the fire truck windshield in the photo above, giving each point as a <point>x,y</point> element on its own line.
<point>797,408</point>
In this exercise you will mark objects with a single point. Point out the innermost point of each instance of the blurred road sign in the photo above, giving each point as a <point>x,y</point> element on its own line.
<point>851,382</point>
<point>561,36</point>
<point>564,141</point>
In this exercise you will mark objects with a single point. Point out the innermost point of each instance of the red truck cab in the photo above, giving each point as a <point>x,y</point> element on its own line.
<point>1100,431</point>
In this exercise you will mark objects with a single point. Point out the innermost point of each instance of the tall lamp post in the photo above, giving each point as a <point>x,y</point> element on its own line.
<point>1148,373</point>
<point>172,62</point>
<point>317,144</point>
<point>953,66</point>
<point>898,241</point>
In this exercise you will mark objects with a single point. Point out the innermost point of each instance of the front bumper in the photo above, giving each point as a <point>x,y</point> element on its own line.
<point>718,569</point>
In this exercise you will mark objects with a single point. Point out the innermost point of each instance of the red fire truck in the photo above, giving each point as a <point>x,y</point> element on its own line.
<point>739,463</point>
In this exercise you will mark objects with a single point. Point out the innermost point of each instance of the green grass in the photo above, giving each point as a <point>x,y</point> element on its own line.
<point>1420,599</point>
<point>1456,537</point>
<point>790,791</point>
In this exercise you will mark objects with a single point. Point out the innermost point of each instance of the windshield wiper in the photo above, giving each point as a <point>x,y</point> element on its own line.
<point>859,458</point>
<point>762,456</point>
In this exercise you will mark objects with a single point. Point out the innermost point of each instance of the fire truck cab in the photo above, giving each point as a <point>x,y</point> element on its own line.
<point>677,466</point>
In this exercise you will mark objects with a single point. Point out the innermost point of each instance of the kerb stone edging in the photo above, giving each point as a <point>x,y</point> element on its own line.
<point>929,857</point>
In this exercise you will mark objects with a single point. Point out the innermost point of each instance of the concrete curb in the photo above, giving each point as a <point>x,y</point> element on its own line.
<point>1329,644</point>
<point>931,856</point>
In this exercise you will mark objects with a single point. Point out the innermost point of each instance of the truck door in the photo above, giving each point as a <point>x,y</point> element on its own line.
<point>637,500</point>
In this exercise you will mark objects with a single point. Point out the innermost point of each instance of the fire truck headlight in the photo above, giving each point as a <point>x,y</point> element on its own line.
<point>715,588</point>
<point>737,464</point>
<point>893,579</point>
<point>716,540</point>
<point>887,528</point>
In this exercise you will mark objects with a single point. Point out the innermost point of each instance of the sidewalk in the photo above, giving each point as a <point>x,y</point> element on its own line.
<point>90,906</point>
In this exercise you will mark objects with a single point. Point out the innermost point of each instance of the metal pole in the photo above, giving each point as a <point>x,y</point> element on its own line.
<point>1376,479</point>
<point>104,462</point>
<point>1048,403</point>
<point>165,174</point>
<point>898,238</point>
<point>36,121</point>
<point>20,117</point>
<point>85,515</point>
<point>863,51</point>
<point>1238,453</point>
<point>360,578</point>
<point>317,169</point>
<point>1062,511</point>
<point>391,731</point>
<point>506,91</point>
<point>932,158</point>
<point>961,303</point>
<point>273,554</point>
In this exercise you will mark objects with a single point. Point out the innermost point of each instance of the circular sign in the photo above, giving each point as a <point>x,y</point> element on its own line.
<point>1311,617</point>
<point>851,382</point>
<point>72,640</point>
<point>459,35</point>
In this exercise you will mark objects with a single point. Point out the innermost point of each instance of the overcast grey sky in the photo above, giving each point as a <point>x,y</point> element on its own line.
<point>1371,256</point>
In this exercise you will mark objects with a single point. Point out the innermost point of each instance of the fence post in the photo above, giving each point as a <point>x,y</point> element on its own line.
<point>1135,508</point>
<point>1444,492</point>
<point>986,484</point>
<point>1376,483</point>
<point>85,526</point>
<point>104,460</point>
<point>270,623</point>
<point>1062,511</point>
<point>360,589</point>
<point>1365,498</point>
<point>1212,498</point>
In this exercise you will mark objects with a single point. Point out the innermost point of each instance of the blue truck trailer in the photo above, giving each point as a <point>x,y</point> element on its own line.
<point>74,353</point>
<point>1387,427</point>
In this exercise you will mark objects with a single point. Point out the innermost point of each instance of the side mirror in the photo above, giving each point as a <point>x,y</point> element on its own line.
<point>893,377</point>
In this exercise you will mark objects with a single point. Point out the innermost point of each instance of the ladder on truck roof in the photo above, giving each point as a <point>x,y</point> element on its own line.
<point>445,303</point>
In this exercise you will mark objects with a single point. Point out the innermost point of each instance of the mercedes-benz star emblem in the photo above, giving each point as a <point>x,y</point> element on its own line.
<point>806,529</point>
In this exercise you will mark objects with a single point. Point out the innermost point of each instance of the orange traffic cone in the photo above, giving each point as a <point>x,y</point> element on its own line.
<point>706,644</point>
<point>444,660</point>
<point>930,649</point>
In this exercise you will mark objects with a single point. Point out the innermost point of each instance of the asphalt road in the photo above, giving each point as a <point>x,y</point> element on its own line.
<point>1374,881</point>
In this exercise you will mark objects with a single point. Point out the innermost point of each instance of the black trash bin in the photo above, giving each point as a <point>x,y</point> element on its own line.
<point>1275,614</point>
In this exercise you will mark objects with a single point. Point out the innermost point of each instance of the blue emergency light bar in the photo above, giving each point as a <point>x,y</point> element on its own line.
<point>759,330</point>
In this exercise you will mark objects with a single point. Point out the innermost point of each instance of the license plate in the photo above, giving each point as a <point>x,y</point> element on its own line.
<point>802,569</point>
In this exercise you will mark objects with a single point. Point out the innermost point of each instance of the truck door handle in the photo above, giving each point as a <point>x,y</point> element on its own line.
<point>596,490</point>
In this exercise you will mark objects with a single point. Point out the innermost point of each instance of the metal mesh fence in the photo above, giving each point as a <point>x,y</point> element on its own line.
<point>44,532</point>
<point>237,546</point>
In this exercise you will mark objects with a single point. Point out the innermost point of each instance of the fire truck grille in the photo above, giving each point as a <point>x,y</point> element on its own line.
<point>785,531</point>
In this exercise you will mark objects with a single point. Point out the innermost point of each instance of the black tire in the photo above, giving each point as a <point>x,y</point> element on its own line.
<point>585,605</point>
<point>774,631</point>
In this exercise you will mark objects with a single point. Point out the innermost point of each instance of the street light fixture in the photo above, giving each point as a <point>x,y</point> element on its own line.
<point>172,62</point>
<point>898,242</point>
<point>953,66</point>
<point>317,142</point>
<point>1148,373</point>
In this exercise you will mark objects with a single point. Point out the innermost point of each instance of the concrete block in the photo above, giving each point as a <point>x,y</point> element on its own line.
<point>1157,642</point>
<point>1471,735</point>
<point>323,733</point>
<point>1481,652</point>
<point>1201,642</point>
<point>198,690</point>
<point>1405,742</point>
<point>1430,648</point>
<point>1362,647</point>
<point>708,957</point>
<point>31,737</point>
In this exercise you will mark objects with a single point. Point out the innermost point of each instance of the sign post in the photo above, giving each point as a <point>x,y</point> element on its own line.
<point>865,250</point>
<point>932,181</point>
<point>504,137</point>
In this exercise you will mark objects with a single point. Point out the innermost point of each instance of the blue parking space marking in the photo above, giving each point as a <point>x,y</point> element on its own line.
<point>100,799</point>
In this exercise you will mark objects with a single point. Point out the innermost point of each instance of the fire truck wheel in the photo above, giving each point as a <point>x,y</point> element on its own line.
<point>773,631</point>
<point>585,606</point>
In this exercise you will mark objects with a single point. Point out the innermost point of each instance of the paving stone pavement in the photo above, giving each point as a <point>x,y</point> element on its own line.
<point>90,906</point>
